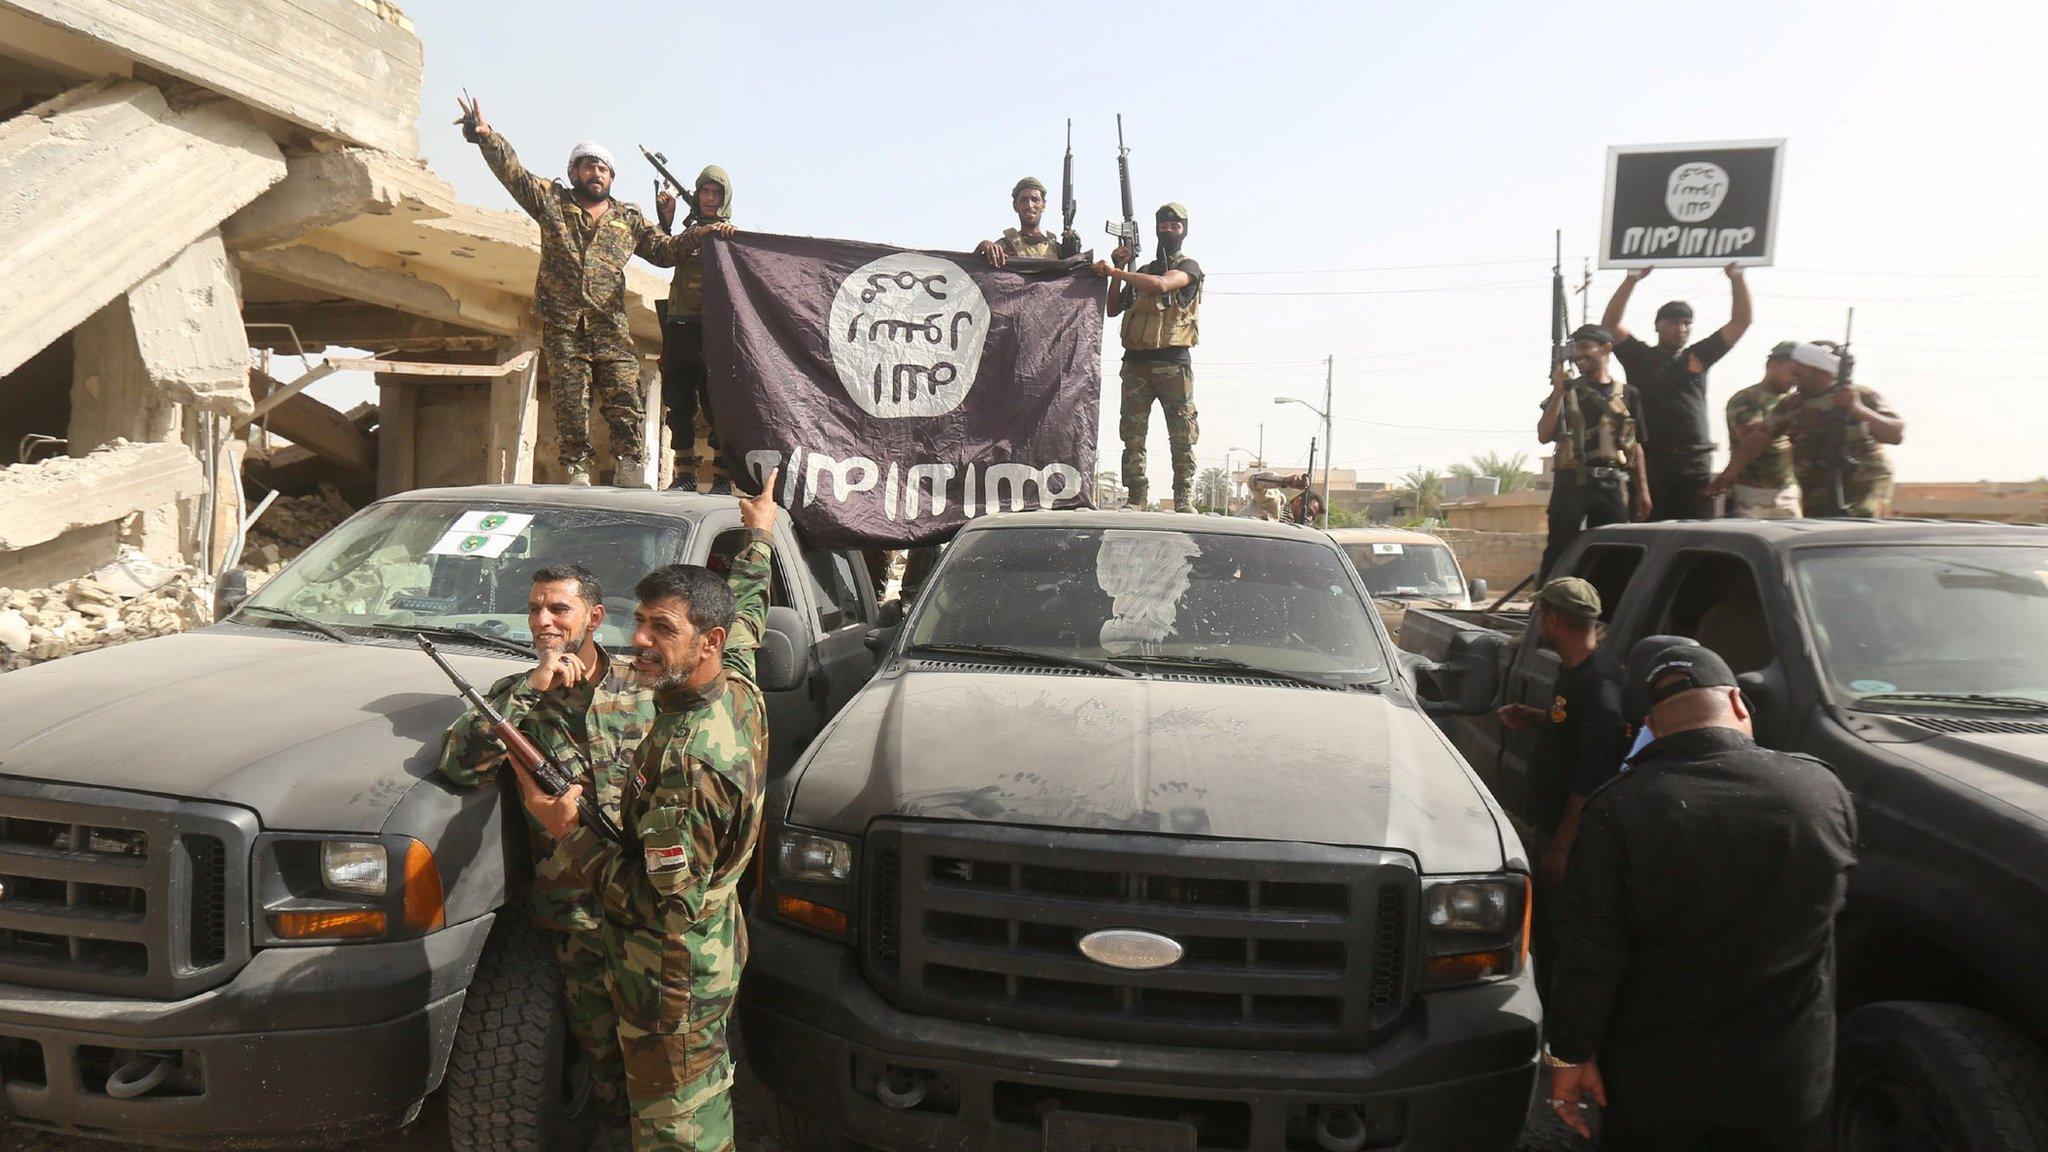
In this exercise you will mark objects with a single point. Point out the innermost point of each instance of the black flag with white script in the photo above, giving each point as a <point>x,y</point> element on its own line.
<point>902,393</point>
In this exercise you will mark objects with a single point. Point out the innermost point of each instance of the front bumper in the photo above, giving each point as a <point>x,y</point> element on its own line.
<point>1458,1073</point>
<point>303,1046</point>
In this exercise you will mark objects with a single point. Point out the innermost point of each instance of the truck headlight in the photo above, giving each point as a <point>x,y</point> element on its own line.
<point>355,866</point>
<point>1475,928</point>
<point>812,886</point>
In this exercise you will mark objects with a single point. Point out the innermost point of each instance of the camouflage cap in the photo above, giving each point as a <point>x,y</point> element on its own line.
<point>1571,596</point>
<point>1026,184</point>
<point>1171,212</point>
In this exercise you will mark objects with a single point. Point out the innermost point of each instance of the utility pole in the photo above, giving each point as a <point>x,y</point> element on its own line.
<point>1585,289</point>
<point>1262,445</point>
<point>1329,379</point>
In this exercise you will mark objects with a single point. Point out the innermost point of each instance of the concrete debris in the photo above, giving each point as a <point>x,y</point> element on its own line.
<point>44,500</point>
<point>42,624</point>
<point>289,526</point>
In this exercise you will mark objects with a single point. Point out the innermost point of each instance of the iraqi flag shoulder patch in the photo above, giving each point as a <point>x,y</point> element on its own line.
<point>669,859</point>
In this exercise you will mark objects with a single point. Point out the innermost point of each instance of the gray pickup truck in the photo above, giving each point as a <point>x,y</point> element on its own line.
<point>1913,658</point>
<point>238,905</point>
<point>1138,840</point>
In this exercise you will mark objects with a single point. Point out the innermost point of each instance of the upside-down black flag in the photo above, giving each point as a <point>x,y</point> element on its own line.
<point>902,393</point>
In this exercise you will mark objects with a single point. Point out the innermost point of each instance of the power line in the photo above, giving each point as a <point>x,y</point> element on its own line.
<point>1380,268</point>
<point>1497,286</point>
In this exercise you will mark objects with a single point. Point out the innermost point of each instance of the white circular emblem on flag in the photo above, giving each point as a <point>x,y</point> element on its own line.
<point>906,333</point>
<point>1695,191</point>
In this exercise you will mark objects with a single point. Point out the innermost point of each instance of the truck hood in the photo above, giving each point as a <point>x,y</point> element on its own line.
<point>310,734</point>
<point>1182,757</point>
<point>2009,767</point>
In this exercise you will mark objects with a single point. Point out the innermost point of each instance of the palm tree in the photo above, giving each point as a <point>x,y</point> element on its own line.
<point>1512,471</point>
<point>1426,485</point>
<point>1212,490</point>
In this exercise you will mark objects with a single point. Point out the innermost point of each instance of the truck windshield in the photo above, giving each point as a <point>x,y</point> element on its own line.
<point>1141,595</point>
<point>468,566</point>
<point>1404,569</point>
<point>1950,621</point>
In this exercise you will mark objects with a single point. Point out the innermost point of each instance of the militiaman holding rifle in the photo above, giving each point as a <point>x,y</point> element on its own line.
<point>684,378</point>
<point>1599,463</point>
<point>1029,238</point>
<point>1837,428</point>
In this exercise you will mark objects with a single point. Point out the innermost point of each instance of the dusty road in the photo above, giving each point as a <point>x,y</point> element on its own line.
<point>756,1132</point>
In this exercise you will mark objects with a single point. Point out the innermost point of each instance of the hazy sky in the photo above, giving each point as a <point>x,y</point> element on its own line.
<point>1374,181</point>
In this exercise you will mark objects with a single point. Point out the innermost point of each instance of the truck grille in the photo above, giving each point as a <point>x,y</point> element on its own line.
<point>1284,944</point>
<point>104,891</point>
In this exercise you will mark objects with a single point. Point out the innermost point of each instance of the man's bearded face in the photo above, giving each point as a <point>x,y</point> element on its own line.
<point>591,179</point>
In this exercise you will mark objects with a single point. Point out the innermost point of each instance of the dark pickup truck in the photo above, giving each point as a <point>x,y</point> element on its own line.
<point>1913,658</point>
<point>1138,840</point>
<point>237,903</point>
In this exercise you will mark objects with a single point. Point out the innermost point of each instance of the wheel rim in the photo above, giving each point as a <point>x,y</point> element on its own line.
<point>1887,1113</point>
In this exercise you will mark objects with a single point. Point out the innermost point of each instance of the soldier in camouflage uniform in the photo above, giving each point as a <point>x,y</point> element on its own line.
<point>1591,420</point>
<point>586,238</point>
<point>1160,306</point>
<point>688,789</point>
<point>683,372</point>
<point>1837,430</point>
<point>1764,490</point>
<point>1027,239</point>
<point>580,706</point>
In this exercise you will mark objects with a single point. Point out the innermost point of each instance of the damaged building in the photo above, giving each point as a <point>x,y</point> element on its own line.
<point>205,209</point>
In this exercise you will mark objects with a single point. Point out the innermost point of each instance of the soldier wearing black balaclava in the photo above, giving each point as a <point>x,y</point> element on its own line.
<point>1159,304</point>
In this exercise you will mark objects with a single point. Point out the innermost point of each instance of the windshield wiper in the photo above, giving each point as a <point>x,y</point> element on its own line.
<point>2013,703</point>
<point>1241,666</point>
<point>1056,659</point>
<point>327,630</point>
<point>1441,599</point>
<point>470,635</point>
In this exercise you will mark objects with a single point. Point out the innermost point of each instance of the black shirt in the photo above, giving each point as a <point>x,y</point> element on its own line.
<point>1583,743</point>
<point>1672,417</point>
<point>1697,931</point>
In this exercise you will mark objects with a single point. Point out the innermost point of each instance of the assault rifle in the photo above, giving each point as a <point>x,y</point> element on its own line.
<point>1843,461</point>
<point>1568,423</point>
<point>1126,233</point>
<point>535,761</point>
<point>1067,206</point>
<point>685,193</point>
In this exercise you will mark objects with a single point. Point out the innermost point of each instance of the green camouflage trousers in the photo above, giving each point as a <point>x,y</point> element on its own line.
<point>576,365</point>
<point>592,1019</point>
<point>1173,386</point>
<point>671,1035</point>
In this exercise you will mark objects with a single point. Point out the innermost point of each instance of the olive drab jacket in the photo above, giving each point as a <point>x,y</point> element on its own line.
<point>1152,321</point>
<point>689,795</point>
<point>686,291</point>
<point>582,278</point>
<point>581,727</point>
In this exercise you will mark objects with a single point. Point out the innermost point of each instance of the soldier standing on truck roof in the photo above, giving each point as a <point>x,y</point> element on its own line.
<point>1027,239</point>
<point>1671,380</point>
<point>1763,489</point>
<point>1160,305</point>
<point>586,238</point>
<point>688,789</point>
<point>692,429</point>
<point>1597,454</point>
<point>1693,995</point>
<point>581,706</point>
<point>1837,434</point>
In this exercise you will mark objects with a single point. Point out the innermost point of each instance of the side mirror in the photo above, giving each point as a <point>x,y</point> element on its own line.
<point>888,621</point>
<point>1767,696</point>
<point>1476,590</point>
<point>230,591</point>
<point>1467,680</point>
<point>783,659</point>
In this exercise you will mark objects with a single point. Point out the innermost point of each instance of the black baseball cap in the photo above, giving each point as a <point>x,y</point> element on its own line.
<point>1640,656</point>
<point>1593,332</point>
<point>1675,310</point>
<point>1682,668</point>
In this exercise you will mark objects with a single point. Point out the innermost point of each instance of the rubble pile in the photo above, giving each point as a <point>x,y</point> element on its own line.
<point>288,527</point>
<point>130,599</point>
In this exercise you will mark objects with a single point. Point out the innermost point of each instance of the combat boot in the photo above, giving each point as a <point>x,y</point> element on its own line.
<point>1136,501</point>
<point>576,475</point>
<point>629,473</point>
<point>1183,500</point>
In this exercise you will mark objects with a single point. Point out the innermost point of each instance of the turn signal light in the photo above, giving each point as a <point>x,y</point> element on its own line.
<point>423,908</point>
<point>1470,967</point>
<point>347,924</point>
<point>818,916</point>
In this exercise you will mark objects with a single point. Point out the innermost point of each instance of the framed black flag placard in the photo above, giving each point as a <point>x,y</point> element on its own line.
<point>1691,205</point>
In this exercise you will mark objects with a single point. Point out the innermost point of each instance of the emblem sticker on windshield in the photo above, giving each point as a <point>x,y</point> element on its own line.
<point>481,533</point>
<point>1386,549</point>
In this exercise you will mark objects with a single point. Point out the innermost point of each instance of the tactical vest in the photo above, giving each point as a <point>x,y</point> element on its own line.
<point>1608,438</point>
<point>1153,321</point>
<point>1046,247</point>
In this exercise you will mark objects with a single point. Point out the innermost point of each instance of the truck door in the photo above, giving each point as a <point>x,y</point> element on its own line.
<point>1713,596</point>
<point>1532,678</point>
<point>846,609</point>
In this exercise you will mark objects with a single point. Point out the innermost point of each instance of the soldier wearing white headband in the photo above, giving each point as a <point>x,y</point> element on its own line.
<point>1837,429</point>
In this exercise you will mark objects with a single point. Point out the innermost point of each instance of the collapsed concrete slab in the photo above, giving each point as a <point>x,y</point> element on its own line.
<point>340,68</point>
<point>104,185</point>
<point>188,328</point>
<point>40,502</point>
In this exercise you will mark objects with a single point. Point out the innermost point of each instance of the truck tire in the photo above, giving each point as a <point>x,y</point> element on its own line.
<point>803,1132</point>
<point>1911,1074</point>
<point>515,1080</point>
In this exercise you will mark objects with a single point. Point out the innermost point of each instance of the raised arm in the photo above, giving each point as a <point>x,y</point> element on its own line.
<point>1886,427</point>
<point>1739,312</point>
<point>1618,304</point>
<point>531,192</point>
<point>751,569</point>
<point>655,245</point>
